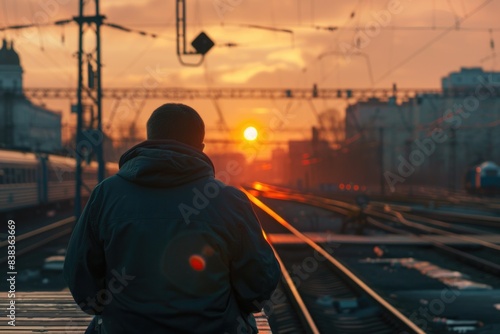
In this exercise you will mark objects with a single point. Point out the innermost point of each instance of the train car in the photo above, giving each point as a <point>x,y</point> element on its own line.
<point>30,180</point>
<point>483,179</point>
<point>60,178</point>
<point>19,173</point>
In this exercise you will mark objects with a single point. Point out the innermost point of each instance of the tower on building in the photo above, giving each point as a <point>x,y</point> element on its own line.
<point>11,72</point>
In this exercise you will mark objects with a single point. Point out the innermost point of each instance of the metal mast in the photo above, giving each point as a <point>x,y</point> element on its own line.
<point>89,135</point>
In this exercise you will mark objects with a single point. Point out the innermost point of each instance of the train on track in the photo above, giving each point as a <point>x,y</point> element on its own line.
<point>38,179</point>
<point>483,179</point>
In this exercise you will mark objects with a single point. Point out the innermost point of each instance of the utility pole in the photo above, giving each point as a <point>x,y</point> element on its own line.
<point>89,137</point>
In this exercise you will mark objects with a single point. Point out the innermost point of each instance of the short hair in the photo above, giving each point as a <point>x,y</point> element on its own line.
<point>178,122</point>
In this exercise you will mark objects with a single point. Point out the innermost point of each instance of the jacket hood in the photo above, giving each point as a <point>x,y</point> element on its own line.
<point>164,163</point>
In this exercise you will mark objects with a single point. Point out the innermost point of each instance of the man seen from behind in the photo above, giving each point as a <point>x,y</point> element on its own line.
<point>164,247</point>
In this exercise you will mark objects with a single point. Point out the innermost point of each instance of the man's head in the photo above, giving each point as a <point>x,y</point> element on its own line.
<point>179,122</point>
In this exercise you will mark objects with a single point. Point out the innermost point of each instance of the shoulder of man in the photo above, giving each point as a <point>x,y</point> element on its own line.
<point>232,192</point>
<point>110,184</point>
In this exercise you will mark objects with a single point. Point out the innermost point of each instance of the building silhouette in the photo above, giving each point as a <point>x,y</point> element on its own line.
<point>430,140</point>
<point>424,142</point>
<point>23,125</point>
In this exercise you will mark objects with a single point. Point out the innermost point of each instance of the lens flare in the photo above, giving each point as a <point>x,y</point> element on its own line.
<point>197,262</point>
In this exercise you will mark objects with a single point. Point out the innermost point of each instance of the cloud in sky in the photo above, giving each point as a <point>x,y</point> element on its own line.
<point>386,50</point>
<point>262,58</point>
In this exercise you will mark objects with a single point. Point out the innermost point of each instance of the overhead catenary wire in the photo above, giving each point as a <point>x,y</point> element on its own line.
<point>37,61</point>
<point>357,15</point>
<point>40,38</point>
<point>455,14</point>
<point>464,10</point>
<point>329,28</point>
<point>221,122</point>
<point>69,21</point>
<point>261,27</point>
<point>336,28</point>
<point>433,40</point>
<point>64,22</point>
<point>361,54</point>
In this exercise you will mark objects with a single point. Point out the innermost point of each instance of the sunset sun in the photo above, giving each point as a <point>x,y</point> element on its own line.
<point>250,133</point>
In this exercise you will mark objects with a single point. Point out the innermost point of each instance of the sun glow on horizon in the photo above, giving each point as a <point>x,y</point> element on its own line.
<point>250,133</point>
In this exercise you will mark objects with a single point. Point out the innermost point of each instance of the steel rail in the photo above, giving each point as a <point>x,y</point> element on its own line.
<point>40,230</point>
<point>312,328</point>
<point>344,270</point>
<point>396,217</point>
<point>399,218</point>
<point>61,224</point>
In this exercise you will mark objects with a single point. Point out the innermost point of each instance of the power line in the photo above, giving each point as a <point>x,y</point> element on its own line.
<point>68,21</point>
<point>329,28</point>
<point>409,28</point>
<point>37,61</point>
<point>434,40</point>
<point>326,28</point>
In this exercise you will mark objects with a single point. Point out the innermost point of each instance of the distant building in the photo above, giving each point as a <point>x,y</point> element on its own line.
<point>430,140</point>
<point>310,163</point>
<point>280,161</point>
<point>23,125</point>
<point>274,171</point>
<point>469,78</point>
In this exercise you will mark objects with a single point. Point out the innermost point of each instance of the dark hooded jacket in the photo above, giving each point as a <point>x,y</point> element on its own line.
<point>164,247</point>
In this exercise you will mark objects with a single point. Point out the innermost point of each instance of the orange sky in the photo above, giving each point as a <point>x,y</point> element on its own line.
<point>411,58</point>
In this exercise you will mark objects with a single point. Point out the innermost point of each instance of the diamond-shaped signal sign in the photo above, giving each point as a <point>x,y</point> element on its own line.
<point>202,43</point>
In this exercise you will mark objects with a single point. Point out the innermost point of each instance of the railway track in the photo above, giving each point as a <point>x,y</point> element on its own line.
<point>427,233</point>
<point>329,297</point>
<point>395,220</point>
<point>441,199</point>
<point>39,237</point>
<point>463,218</point>
<point>459,250</point>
